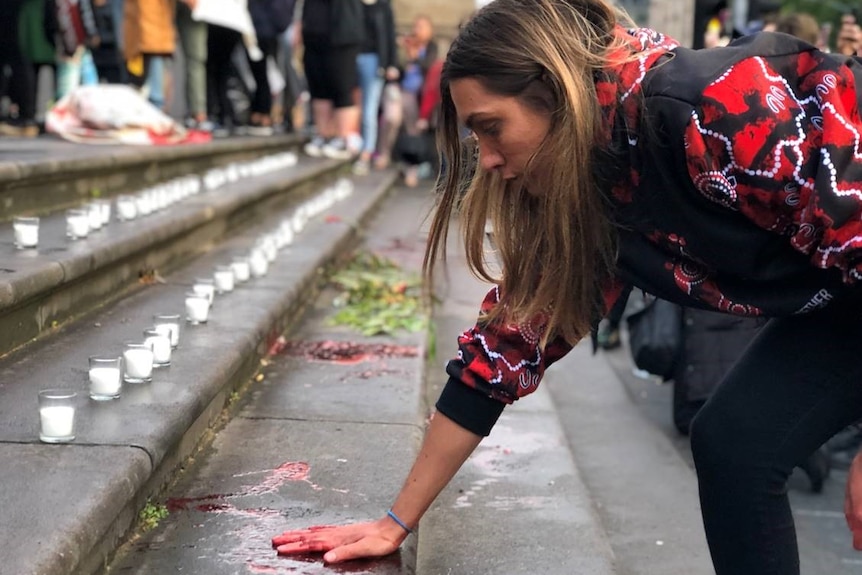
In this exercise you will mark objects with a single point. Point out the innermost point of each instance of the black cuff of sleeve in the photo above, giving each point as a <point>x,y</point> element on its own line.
<point>471,409</point>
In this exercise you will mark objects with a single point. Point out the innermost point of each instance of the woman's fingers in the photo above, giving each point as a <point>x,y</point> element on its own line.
<point>366,547</point>
<point>300,534</point>
<point>301,547</point>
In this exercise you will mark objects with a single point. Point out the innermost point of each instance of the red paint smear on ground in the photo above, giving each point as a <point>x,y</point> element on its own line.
<point>345,352</point>
<point>290,471</point>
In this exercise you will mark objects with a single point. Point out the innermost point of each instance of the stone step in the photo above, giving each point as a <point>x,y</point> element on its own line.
<point>42,288</point>
<point>315,441</point>
<point>44,175</point>
<point>520,504</point>
<point>64,508</point>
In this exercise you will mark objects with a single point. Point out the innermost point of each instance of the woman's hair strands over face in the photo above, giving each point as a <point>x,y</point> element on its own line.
<point>555,243</point>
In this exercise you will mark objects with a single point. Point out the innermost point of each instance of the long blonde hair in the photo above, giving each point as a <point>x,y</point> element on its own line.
<point>555,243</point>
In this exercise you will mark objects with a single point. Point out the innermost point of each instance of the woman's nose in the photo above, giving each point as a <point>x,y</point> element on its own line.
<point>490,160</point>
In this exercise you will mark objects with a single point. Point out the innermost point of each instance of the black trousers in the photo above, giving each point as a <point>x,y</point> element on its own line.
<point>798,384</point>
<point>221,43</point>
<point>22,84</point>
<point>261,102</point>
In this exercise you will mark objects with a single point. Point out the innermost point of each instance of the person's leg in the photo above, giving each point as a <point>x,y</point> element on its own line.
<point>220,46</point>
<point>261,102</point>
<point>193,36</point>
<point>293,85</point>
<point>320,89</point>
<point>156,80</point>
<point>343,75</point>
<point>371,85</point>
<point>798,384</point>
<point>22,81</point>
<point>390,124</point>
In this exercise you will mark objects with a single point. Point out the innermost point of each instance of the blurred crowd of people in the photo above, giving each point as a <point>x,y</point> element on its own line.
<point>252,67</point>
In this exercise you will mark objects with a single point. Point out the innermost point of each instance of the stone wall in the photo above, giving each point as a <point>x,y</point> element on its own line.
<point>446,14</point>
<point>673,17</point>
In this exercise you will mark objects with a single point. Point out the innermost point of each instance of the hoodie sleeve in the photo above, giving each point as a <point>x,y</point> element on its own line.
<point>499,364</point>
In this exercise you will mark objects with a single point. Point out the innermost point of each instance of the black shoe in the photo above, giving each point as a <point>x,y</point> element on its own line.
<point>609,337</point>
<point>817,468</point>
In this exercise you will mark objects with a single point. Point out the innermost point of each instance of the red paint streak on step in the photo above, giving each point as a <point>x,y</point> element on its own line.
<point>346,352</point>
<point>183,503</point>
<point>290,471</point>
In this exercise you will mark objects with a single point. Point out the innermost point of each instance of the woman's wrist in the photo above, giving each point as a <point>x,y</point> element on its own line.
<point>391,530</point>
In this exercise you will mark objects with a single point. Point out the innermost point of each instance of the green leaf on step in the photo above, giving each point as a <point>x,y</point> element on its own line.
<point>377,297</point>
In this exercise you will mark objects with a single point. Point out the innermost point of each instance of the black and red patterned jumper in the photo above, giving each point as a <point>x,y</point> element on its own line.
<point>742,192</point>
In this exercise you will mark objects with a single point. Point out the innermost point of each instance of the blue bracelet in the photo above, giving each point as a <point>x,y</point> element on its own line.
<point>395,518</point>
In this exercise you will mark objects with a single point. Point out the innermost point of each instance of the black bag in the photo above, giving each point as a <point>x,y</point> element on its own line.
<point>655,337</point>
<point>416,149</point>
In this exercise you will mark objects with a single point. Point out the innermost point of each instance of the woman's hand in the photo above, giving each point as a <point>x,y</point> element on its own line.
<point>853,501</point>
<point>343,543</point>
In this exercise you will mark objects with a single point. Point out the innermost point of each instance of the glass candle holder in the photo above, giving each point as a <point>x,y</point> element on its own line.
<point>137,363</point>
<point>269,247</point>
<point>105,207</point>
<point>105,378</point>
<point>94,215</point>
<point>26,232</point>
<point>258,263</point>
<point>197,308</point>
<point>241,271</point>
<point>160,342</point>
<point>168,324</point>
<point>57,415</point>
<point>143,203</point>
<point>126,208</point>
<point>205,287</point>
<point>77,224</point>
<point>223,279</point>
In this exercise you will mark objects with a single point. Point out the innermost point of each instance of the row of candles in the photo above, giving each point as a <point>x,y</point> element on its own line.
<point>140,359</point>
<point>80,222</point>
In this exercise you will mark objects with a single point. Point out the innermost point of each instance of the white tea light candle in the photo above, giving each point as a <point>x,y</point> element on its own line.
<point>197,308</point>
<point>126,208</point>
<point>160,343</point>
<point>57,416</point>
<point>258,263</point>
<point>26,232</point>
<point>206,288</point>
<point>241,270</point>
<point>77,224</point>
<point>137,363</point>
<point>105,378</point>
<point>224,279</point>
<point>168,324</point>
<point>94,215</point>
<point>105,206</point>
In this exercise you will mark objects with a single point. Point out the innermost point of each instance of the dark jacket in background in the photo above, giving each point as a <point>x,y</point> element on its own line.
<point>380,33</point>
<point>271,17</point>
<point>711,344</point>
<point>333,23</point>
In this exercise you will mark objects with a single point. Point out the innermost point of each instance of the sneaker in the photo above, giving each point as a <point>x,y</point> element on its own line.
<point>314,148</point>
<point>337,149</point>
<point>259,130</point>
<point>19,129</point>
<point>361,167</point>
<point>220,131</point>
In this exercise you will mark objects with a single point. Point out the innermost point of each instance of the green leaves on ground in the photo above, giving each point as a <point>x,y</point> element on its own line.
<point>151,515</point>
<point>378,297</point>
